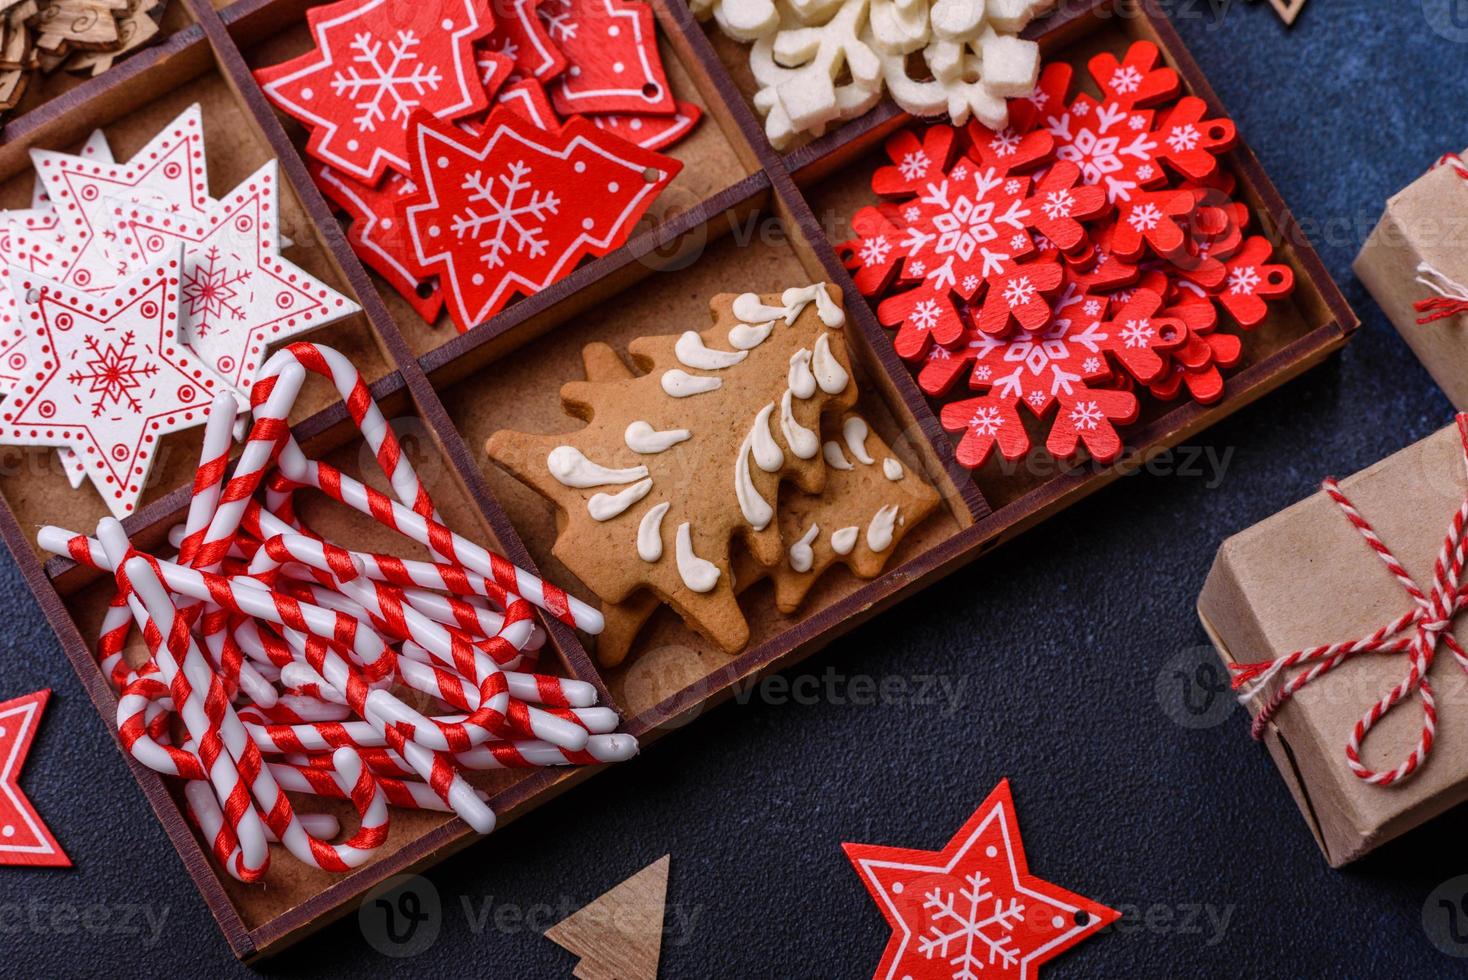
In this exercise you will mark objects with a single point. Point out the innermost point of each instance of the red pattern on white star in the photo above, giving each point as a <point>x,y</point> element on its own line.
<point>239,294</point>
<point>168,173</point>
<point>24,839</point>
<point>972,909</point>
<point>109,376</point>
<point>375,63</point>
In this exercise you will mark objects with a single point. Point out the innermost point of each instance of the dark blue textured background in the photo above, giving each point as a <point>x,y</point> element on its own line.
<point>1058,641</point>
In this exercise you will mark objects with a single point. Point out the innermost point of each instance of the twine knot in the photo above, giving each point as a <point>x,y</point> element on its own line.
<point>1418,634</point>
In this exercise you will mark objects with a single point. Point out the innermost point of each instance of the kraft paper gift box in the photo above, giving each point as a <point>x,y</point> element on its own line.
<point>1307,577</point>
<point>1425,223</point>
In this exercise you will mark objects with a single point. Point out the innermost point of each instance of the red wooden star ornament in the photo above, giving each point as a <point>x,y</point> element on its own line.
<point>972,909</point>
<point>24,839</point>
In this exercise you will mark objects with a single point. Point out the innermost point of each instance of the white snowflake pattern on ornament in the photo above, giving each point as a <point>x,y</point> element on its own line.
<point>1059,204</point>
<point>1145,218</point>
<point>1086,416</point>
<point>970,283</point>
<point>1184,138</point>
<point>874,251</point>
<point>403,80</point>
<point>1243,280</point>
<point>914,165</point>
<point>511,216</point>
<point>1126,80</point>
<point>1019,291</point>
<point>1005,143</point>
<point>1136,333</point>
<point>925,315</point>
<point>986,421</point>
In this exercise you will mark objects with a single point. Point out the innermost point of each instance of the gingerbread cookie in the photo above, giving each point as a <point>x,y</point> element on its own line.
<point>870,502</point>
<point>677,462</point>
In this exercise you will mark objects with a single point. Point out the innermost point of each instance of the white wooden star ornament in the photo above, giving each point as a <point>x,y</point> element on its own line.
<point>239,294</point>
<point>109,375</point>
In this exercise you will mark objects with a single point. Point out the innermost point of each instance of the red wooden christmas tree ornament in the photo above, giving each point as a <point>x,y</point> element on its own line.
<point>491,216</point>
<point>24,839</point>
<point>613,63</point>
<point>375,63</point>
<point>972,909</point>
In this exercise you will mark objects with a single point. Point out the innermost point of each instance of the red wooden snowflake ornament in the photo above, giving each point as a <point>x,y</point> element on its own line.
<point>489,216</point>
<point>972,909</point>
<point>24,839</point>
<point>375,63</point>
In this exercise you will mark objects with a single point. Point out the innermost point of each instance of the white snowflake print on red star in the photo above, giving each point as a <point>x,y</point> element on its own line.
<point>375,63</point>
<point>489,216</point>
<point>239,294</point>
<point>972,911</point>
<point>109,376</point>
<point>612,59</point>
<point>168,173</point>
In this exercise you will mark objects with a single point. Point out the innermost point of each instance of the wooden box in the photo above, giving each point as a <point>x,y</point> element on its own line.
<point>739,217</point>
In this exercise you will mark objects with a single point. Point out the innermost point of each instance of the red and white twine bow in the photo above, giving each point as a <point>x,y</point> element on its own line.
<point>1416,633</point>
<point>1452,297</point>
<point>278,662</point>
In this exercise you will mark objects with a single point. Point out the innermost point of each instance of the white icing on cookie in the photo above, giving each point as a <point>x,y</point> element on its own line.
<point>748,336</point>
<point>642,438</point>
<point>650,533</point>
<point>879,531</point>
<point>800,379</point>
<point>829,373</point>
<point>767,453</point>
<point>571,468</point>
<point>854,430</point>
<point>892,469</point>
<point>756,509</point>
<point>691,352</point>
<point>801,557</point>
<point>605,506</point>
<point>681,384</point>
<point>797,297</point>
<point>697,573</point>
<point>802,442</point>
<point>834,457</point>
<point>749,308</point>
<point>844,540</point>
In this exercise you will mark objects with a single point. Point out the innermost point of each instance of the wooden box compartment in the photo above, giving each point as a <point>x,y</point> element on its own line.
<point>272,32</point>
<point>744,219</point>
<point>836,181</point>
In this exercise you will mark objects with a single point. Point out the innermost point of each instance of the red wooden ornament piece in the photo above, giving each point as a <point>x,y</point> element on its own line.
<point>376,62</point>
<point>490,217</point>
<point>613,63</point>
<point>972,909</point>
<point>24,839</point>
